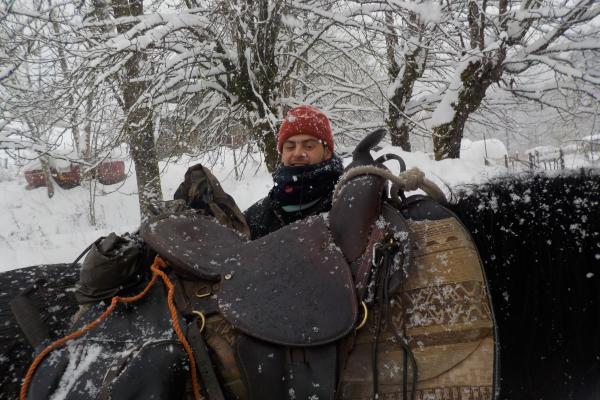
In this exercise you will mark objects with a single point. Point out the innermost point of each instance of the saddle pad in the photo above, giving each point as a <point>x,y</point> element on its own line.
<point>292,287</point>
<point>192,243</point>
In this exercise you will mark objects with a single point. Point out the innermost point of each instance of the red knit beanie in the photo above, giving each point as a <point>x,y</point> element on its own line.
<point>305,120</point>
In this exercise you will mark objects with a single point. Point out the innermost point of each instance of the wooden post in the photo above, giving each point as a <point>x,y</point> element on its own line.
<point>561,158</point>
<point>531,161</point>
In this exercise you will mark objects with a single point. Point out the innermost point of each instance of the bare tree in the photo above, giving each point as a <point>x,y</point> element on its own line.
<point>138,127</point>
<point>205,71</point>
<point>405,74</point>
<point>504,40</point>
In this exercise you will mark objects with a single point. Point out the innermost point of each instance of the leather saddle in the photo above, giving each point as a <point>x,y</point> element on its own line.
<point>281,288</point>
<point>295,286</point>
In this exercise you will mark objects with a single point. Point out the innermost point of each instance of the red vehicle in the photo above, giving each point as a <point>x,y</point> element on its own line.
<point>107,173</point>
<point>35,178</point>
<point>111,172</point>
<point>67,178</point>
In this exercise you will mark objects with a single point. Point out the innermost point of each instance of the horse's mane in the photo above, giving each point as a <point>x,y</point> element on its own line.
<point>539,239</point>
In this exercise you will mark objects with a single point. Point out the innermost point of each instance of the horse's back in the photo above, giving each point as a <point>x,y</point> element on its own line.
<point>49,288</point>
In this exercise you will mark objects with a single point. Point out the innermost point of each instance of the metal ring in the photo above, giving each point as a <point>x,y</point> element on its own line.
<point>366,315</point>
<point>201,295</point>
<point>202,319</point>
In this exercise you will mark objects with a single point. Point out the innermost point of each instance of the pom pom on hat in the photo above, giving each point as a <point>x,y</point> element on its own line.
<point>305,120</point>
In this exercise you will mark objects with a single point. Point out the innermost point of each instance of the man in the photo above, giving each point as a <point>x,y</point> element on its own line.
<point>304,182</point>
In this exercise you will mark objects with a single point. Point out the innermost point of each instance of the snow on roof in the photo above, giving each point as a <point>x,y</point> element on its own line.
<point>479,150</point>
<point>595,137</point>
<point>570,147</point>
<point>544,150</point>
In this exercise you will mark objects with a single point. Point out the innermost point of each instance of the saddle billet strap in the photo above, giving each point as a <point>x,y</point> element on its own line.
<point>210,382</point>
<point>395,228</point>
<point>398,228</point>
<point>208,377</point>
<point>362,266</point>
<point>194,296</point>
<point>179,296</point>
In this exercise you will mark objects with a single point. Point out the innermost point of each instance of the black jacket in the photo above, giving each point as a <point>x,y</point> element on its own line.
<point>266,216</point>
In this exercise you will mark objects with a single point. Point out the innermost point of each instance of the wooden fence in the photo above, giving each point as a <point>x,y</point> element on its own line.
<point>535,160</point>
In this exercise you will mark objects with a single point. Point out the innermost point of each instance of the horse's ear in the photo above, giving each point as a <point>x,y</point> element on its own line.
<point>362,153</point>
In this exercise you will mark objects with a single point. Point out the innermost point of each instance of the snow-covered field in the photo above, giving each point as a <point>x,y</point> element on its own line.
<point>37,230</point>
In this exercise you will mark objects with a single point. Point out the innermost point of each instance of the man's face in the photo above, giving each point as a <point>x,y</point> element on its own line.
<point>303,150</point>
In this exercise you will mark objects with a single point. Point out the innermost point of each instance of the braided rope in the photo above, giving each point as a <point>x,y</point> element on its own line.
<point>409,180</point>
<point>156,273</point>
<point>177,327</point>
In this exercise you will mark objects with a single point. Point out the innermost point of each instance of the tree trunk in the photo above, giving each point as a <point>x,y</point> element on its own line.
<point>140,136</point>
<point>400,134</point>
<point>143,153</point>
<point>87,143</point>
<point>403,78</point>
<point>255,81</point>
<point>138,128</point>
<point>47,175</point>
<point>267,142</point>
<point>70,102</point>
<point>447,138</point>
<point>476,79</point>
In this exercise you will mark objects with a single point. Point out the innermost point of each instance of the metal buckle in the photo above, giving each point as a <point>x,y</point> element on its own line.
<point>202,319</point>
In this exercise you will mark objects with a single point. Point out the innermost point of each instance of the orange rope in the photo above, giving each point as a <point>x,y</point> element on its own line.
<point>156,272</point>
<point>177,327</point>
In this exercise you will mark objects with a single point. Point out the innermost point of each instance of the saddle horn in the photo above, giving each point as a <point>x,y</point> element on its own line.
<point>362,153</point>
<point>360,199</point>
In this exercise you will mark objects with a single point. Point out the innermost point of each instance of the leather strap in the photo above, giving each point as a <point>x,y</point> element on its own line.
<point>210,382</point>
<point>364,264</point>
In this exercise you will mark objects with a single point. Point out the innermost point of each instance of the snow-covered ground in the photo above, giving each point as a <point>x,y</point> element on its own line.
<point>37,230</point>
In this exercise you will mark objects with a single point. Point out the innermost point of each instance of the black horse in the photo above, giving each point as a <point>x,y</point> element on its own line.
<point>539,239</point>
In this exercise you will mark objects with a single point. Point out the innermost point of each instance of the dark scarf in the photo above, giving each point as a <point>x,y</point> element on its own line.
<point>307,183</point>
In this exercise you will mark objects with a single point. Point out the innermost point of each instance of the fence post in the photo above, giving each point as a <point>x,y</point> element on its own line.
<point>561,158</point>
<point>506,161</point>
<point>531,161</point>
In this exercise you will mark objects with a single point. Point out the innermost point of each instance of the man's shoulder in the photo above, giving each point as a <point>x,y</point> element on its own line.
<point>261,213</point>
<point>258,208</point>
<point>262,218</point>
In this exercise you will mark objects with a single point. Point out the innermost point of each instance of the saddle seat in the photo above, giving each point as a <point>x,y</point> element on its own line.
<point>292,287</point>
